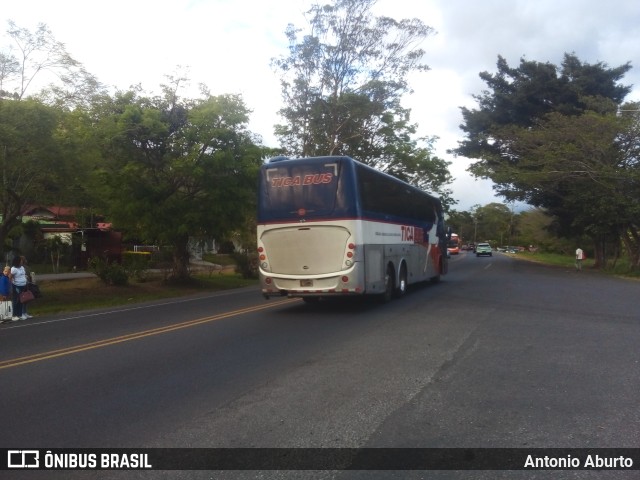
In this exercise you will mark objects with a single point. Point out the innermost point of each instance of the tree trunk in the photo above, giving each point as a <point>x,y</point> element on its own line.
<point>631,241</point>
<point>181,259</point>
<point>599,252</point>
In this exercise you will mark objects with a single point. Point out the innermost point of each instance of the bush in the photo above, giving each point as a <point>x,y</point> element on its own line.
<point>136,264</point>
<point>246,264</point>
<point>110,274</point>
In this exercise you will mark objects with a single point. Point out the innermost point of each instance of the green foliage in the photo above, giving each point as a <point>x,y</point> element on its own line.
<point>246,264</point>
<point>552,137</point>
<point>495,223</point>
<point>39,52</point>
<point>342,85</point>
<point>178,169</point>
<point>109,273</point>
<point>137,264</point>
<point>28,155</point>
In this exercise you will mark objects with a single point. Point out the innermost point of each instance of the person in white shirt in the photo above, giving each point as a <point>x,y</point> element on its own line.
<point>579,258</point>
<point>19,281</point>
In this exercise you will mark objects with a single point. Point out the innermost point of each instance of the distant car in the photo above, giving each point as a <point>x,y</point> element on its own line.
<point>483,249</point>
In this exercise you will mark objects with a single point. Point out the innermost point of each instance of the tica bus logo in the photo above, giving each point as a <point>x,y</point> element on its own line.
<point>316,179</point>
<point>412,234</point>
<point>407,233</point>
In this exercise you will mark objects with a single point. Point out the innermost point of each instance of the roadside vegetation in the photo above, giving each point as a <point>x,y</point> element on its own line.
<point>622,268</point>
<point>220,273</point>
<point>88,293</point>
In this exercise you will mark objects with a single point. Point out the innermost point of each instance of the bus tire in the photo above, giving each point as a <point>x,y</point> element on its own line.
<point>389,284</point>
<point>436,279</point>
<point>402,281</point>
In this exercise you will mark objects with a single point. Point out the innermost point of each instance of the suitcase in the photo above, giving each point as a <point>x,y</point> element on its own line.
<point>6,310</point>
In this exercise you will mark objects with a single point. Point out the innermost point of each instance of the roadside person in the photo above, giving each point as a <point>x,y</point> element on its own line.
<point>30,281</point>
<point>579,258</point>
<point>19,282</point>
<point>5,294</point>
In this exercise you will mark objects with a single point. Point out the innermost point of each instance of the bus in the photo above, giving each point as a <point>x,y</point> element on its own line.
<point>333,226</point>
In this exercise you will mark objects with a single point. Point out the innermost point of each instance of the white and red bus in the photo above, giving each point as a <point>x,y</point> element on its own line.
<point>332,226</point>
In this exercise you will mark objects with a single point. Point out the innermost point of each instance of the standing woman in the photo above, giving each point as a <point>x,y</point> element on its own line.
<point>19,281</point>
<point>23,263</point>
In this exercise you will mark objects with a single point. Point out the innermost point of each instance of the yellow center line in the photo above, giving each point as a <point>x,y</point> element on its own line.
<point>14,362</point>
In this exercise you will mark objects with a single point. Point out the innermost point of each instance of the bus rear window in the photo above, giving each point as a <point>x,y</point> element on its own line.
<point>299,189</point>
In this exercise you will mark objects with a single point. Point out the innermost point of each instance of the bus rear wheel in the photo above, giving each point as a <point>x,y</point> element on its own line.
<point>402,281</point>
<point>389,285</point>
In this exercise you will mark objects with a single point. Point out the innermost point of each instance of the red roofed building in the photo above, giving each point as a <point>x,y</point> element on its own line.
<point>70,225</point>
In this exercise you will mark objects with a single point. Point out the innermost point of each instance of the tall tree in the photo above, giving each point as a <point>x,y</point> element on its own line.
<point>521,97</point>
<point>548,136</point>
<point>342,85</point>
<point>178,169</point>
<point>39,56</point>
<point>29,157</point>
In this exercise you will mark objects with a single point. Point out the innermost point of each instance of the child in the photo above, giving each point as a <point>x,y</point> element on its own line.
<point>5,293</point>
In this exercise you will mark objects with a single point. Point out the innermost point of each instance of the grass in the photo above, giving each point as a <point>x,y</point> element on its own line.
<point>556,259</point>
<point>81,294</point>
<point>622,267</point>
<point>219,259</point>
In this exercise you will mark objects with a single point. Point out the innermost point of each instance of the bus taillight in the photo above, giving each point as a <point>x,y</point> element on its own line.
<point>349,254</point>
<point>262,257</point>
<point>345,279</point>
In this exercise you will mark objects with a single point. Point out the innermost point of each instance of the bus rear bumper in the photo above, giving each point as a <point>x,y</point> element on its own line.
<point>343,284</point>
<point>307,294</point>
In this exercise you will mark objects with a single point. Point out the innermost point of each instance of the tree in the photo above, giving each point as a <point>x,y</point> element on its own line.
<point>496,223</point>
<point>342,86</point>
<point>629,144</point>
<point>552,140</point>
<point>29,156</point>
<point>178,169</point>
<point>521,97</point>
<point>39,54</point>
<point>461,223</point>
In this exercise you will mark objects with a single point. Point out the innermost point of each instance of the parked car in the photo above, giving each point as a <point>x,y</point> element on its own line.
<point>483,249</point>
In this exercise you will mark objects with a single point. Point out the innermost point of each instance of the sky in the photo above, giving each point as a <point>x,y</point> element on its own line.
<point>228,45</point>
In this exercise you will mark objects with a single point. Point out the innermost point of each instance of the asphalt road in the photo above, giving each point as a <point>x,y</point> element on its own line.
<point>501,353</point>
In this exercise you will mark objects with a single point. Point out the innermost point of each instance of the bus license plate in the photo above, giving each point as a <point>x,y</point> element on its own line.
<point>306,283</point>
